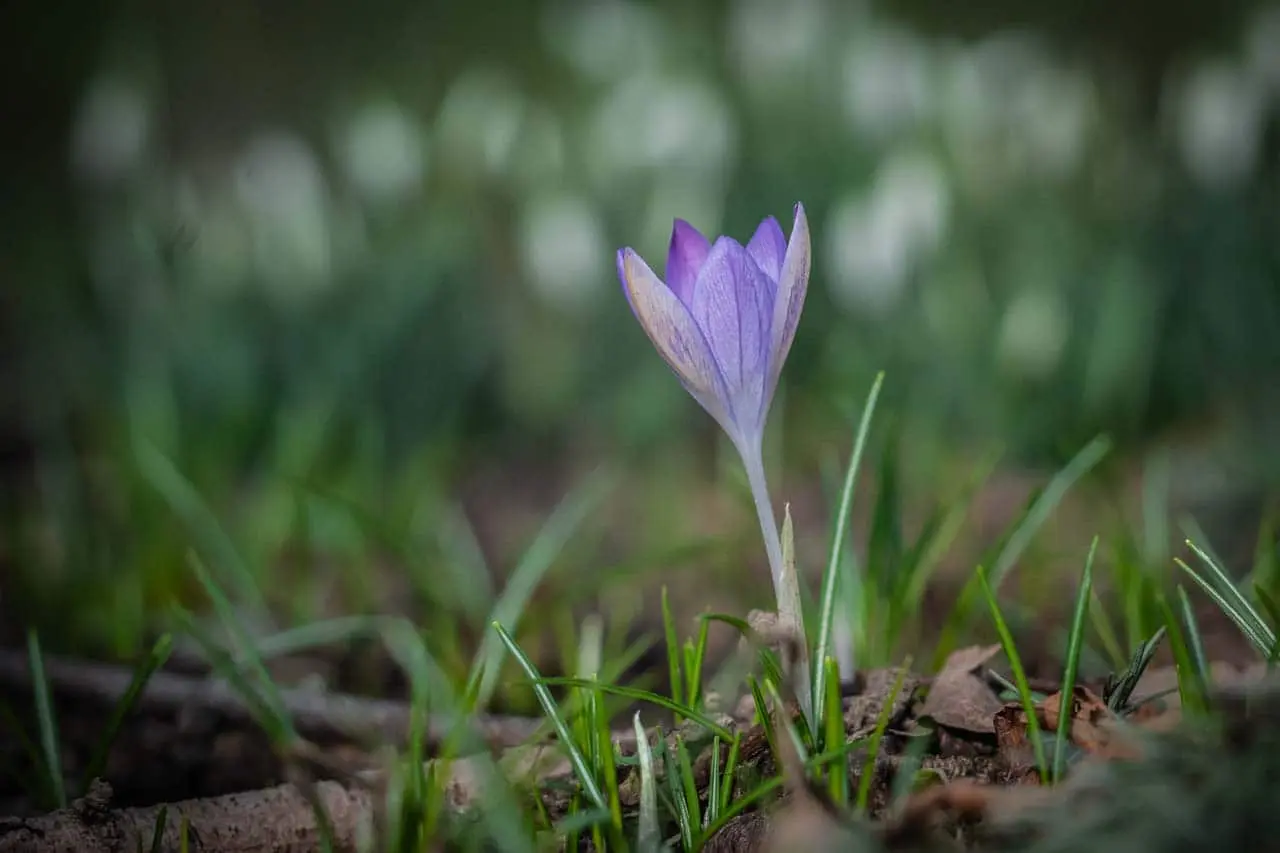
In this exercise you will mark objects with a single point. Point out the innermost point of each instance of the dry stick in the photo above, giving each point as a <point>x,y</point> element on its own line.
<point>272,820</point>
<point>317,716</point>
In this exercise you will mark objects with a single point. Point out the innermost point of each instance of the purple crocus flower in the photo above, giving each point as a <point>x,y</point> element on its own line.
<point>724,320</point>
<point>725,317</point>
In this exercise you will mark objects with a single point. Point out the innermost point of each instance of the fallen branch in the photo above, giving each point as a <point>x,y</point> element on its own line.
<point>272,820</point>
<point>318,717</point>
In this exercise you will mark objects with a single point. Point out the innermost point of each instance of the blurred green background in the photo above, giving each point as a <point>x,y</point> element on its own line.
<point>340,277</point>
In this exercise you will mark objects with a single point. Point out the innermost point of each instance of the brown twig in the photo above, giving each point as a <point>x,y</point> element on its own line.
<point>321,717</point>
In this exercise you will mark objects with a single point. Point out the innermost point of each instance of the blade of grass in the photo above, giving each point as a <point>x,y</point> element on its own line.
<point>730,772</point>
<point>832,735</point>
<point>142,673</point>
<point>1191,687</point>
<point>1119,689</point>
<point>576,759</point>
<point>1223,591</point>
<point>46,720</point>
<point>504,819</point>
<point>713,784</point>
<point>246,653</point>
<point>157,835</point>
<point>1021,533</point>
<point>831,577</point>
<point>636,694</point>
<point>695,655</point>
<point>200,521</point>
<point>1068,691</point>
<point>1019,675</point>
<point>1195,641</point>
<point>673,651</point>
<point>537,561</point>
<point>679,800</point>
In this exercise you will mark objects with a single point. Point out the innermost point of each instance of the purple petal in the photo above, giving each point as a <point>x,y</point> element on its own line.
<point>674,333</point>
<point>685,257</point>
<point>768,246</point>
<point>793,283</point>
<point>733,306</point>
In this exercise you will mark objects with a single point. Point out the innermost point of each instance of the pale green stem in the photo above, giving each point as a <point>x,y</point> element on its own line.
<point>786,584</point>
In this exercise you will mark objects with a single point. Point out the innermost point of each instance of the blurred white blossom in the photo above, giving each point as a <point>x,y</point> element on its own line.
<point>662,123</point>
<point>770,42</point>
<point>479,122</point>
<point>1010,113</point>
<point>874,243</point>
<point>604,39</point>
<point>111,130</point>
<point>563,245</point>
<point>283,194</point>
<point>888,85</point>
<point>1033,333</point>
<point>1218,112</point>
<point>382,151</point>
<point>1052,111</point>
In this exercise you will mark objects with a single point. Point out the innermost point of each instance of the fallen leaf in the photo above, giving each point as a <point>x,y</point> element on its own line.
<point>959,698</point>
<point>1012,742</point>
<point>862,712</point>
<point>1093,725</point>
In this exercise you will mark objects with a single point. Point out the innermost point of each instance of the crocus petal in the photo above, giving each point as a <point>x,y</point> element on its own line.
<point>674,334</point>
<point>793,283</point>
<point>768,246</point>
<point>686,255</point>
<point>733,306</point>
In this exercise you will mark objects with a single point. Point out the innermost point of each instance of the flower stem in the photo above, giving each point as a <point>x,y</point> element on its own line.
<point>786,584</point>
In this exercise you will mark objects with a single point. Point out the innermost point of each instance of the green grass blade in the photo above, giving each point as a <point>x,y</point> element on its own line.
<point>157,834</point>
<point>550,709</point>
<point>46,720</point>
<point>1022,532</point>
<point>637,694</point>
<point>200,521</point>
<point>713,784</point>
<point>1191,686</point>
<point>142,673</point>
<point>679,800</point>
<point>1223,591</point>
<point>1074,642</point>
<point>1195,641</point>
<point>688,784</point>
<point>537,561</point>
<point>673,651</point>
<point>318,634</point>
<point>831,577</point>
<point>833,735</point>
<point>1268,603</point>
<point>730,773</point>
<point>1106,632</point>
<point>693,666</point>
<point>246,655</point>
<point>1120,689</point>
<point>1019,675</point>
